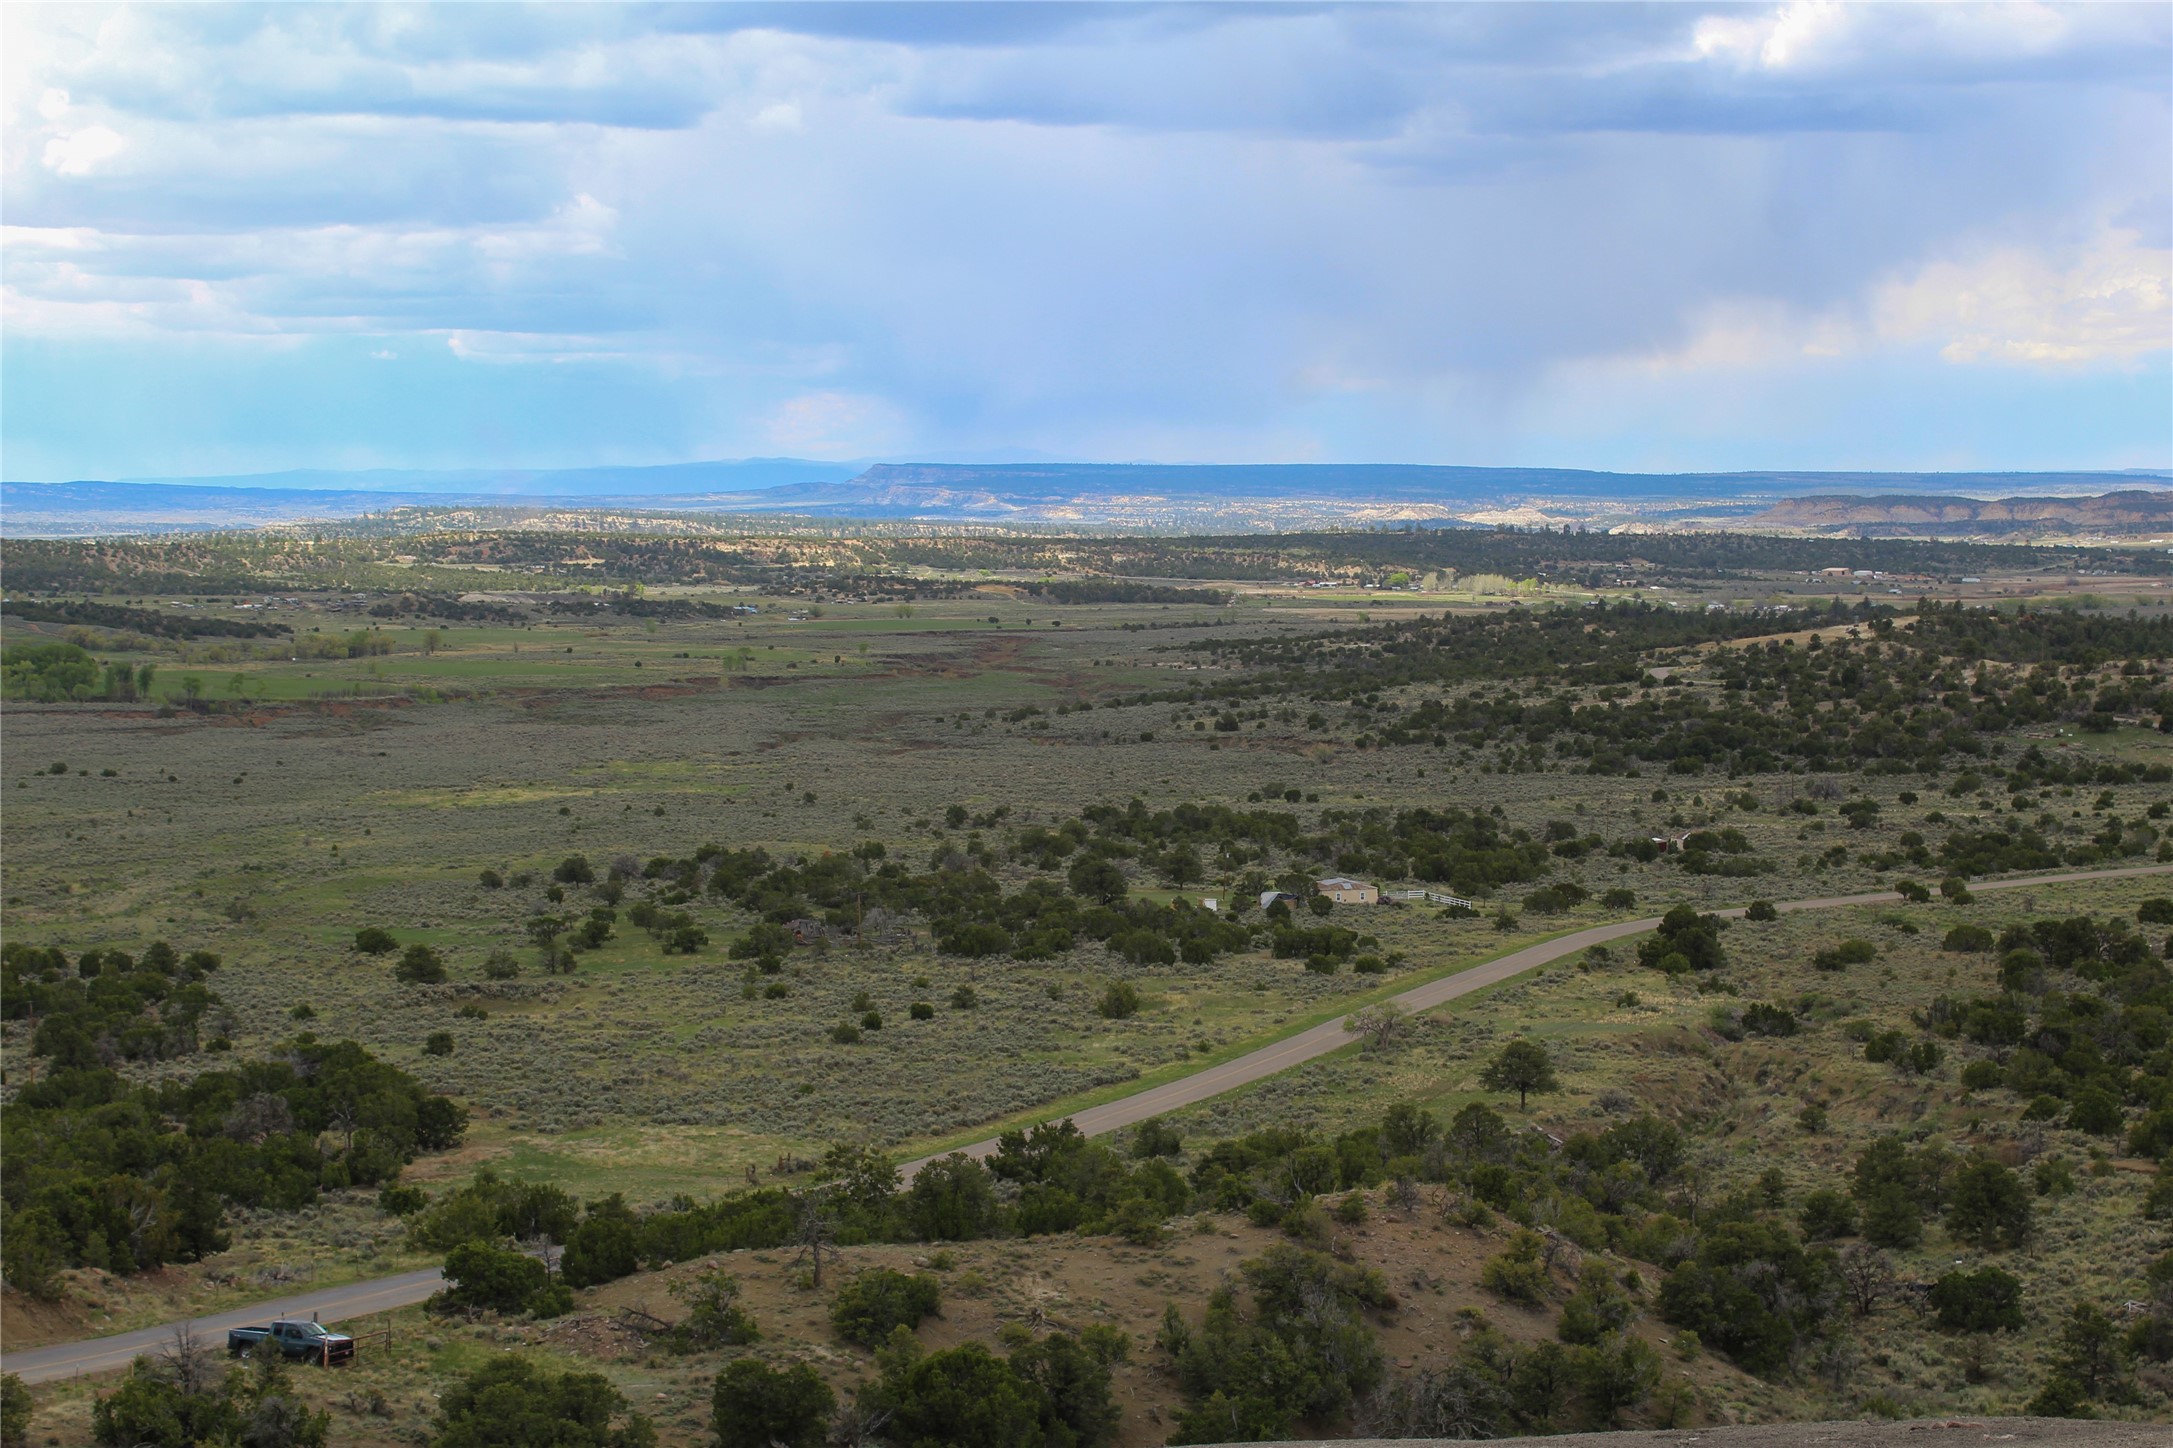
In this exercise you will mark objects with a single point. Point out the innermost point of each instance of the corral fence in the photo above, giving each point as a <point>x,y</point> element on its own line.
<point>1431,897</point>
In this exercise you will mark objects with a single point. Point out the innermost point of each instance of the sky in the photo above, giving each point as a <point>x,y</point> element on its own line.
<point>1674,237</point>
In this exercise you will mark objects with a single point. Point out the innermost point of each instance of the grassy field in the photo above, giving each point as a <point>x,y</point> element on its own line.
<point>273,834</point>
<point>322,796</point>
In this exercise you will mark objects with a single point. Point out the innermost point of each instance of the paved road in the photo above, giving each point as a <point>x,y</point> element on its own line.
<point>331,1304</point>
<point>1332,1036</point>
<point>336,1304</point>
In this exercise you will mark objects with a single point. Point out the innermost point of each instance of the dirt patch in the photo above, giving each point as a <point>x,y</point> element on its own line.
<point>604,1336</point>
<point>26,1322</point>
<point>533,698</point>
<point>453,1166</point>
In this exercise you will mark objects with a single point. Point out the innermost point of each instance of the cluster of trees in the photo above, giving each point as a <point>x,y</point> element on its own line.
<point>1771,1282</point>
<point>187,1396</point>
<point>512,1401</point>
<point>1916,698</point>
<point>1111,590</point>
<point>1295,1343</point>
<point>1572,555</point>
<point>126,1177</point>
<point>971,914</point>
<point>1492,1388</point>
<point>1063,1181</point>
<point>2079,1028</point>
<point>866,563</point>
<point>148,621</point>
<point>1047,1392</point>
<point>108,1006</point>
<point>63,673</point>
<point>449,606</point>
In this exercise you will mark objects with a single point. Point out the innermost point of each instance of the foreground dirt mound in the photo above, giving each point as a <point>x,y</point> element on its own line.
<point>1922,1433</point>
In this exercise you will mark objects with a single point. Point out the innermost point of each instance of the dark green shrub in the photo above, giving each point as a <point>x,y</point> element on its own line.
<point>2095,1110</point>
<point>1827,1214</point>
<point>1847,953</point>
<point>488,1278</point>
<point>1300,1349</point>
<point>714,1317</point>
<point>510,1400</point>
<point>1986,1300</point>
<point>605,1247</point>
<point>1120,1001</point>
<point>420,965</point>
<point>1156,1138</point>
<point>874,1302</point>
<point>15,1409</point>
<point>1516,1273</point>
<point>758,1406</point>
<point>1988,1207</point>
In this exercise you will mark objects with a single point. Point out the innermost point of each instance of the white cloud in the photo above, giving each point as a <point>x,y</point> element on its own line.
<point>781,116</point>
<point>2108,305</point>
<point>1831,35</point>
<point>1787,36</point>
<point>81,153</point>
<point>1176,230</point>
<point>834,425</point>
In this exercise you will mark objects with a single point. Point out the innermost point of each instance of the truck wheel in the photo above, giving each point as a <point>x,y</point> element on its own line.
<point>242,1353</point>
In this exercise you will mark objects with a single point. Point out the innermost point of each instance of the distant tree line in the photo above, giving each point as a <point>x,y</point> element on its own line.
<point>141,620</point>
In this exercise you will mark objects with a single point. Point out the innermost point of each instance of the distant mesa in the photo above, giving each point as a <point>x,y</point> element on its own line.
<point>1199,498</point>
<point>2127,512</point>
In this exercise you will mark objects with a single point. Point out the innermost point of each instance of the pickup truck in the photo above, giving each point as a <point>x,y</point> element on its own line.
<point>294,1338</point>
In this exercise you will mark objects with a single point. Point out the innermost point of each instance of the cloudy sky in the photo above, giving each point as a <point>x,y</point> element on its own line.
<point>1678,236</point>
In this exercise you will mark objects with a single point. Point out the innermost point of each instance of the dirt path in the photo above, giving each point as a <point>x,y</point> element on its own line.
<point>359,1299</point>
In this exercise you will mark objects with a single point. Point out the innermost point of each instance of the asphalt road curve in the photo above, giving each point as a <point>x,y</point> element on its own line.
<point>337,1304</point>
<point>330,1304</point>
<point>1332,1036</point>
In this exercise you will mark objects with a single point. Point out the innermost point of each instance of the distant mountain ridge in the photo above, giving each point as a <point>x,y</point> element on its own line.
<point>1433,482</point>
<point>671,479</point>
<point>1125,496</point>
<point>2126,511</point>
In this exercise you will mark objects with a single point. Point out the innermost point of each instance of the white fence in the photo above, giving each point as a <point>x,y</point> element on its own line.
<point>1431,897</point>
